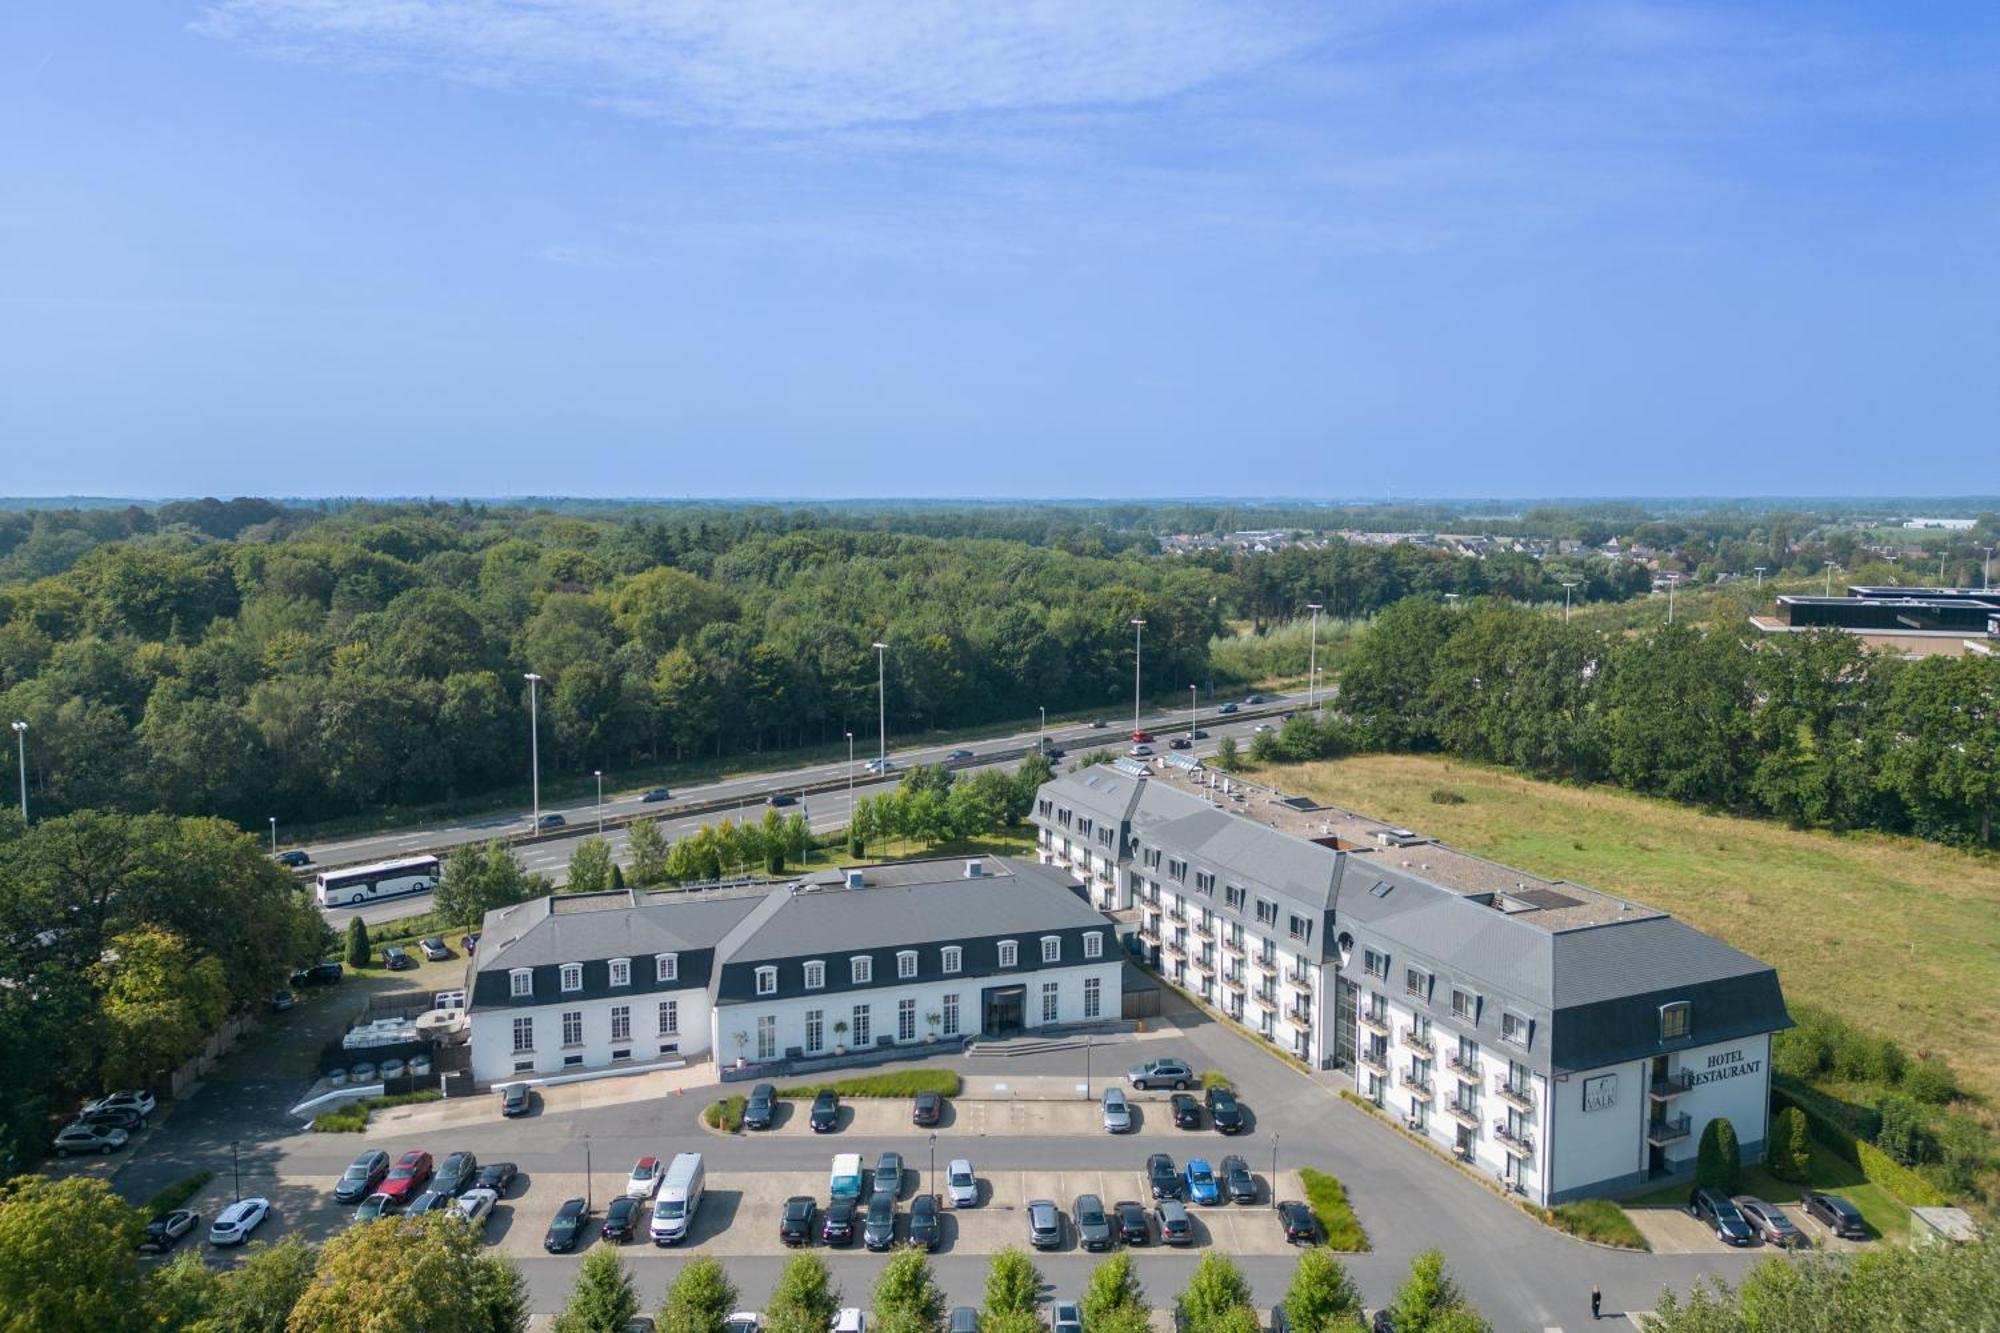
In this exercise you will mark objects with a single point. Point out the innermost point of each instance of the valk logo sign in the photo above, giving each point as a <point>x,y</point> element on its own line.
<point>1600,1093</point>
<point>1725,1064</point>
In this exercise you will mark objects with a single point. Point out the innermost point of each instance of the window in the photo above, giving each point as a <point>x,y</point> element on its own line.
<point>1302,929</point>
<point>1464,1004</point>
<point>1051,948</point>
<point>1083,827</point>
<point>862,1015</point>
<point>1675,1020</point>
<point>670,1018</point>
<point>954,957</point>
<point>1093,997</point>
<point>572,976</point>
<point>1375,964</point>
<point>1468,1053</point>
<point>521,982</point>
<point>621,971</point>
<point>767,1037</point>
<point>572,1028</point>
<point>1267,912</point>
<point>621,1022</point>
<point>862,970</point>
<point>571,1061</point>
<point>906,1020</point>
<point>1152,858</point>
<point>815,1031</point>
<point>1049,993</point>
<point>1234,897</point>
<point>1514,1028</point>
<point>666,967</point>
<point>767,981</point>
<point>815,974</point>
<point>1416,982</point>
<point>524,1035</point>
<point>906,964</point>
<point>1043,807</point>
<point>1204,882</point>
<point>1093,944</point>
<point>524,1066</point>
<point>951,1015</point>
<point>1177,870</point>
<point>1010,953</point>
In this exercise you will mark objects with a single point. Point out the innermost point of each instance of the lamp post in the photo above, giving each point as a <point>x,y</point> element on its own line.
<point>1138,648</point>
<point>1940,569</point>
<point>1274,1172</point>
<point>1086,1066</point>
<point>1566,588</point>
<point>1760,578</point>
<point>534,745</point>
<point>850,786</point>
<point>1042,730</point>
<point>1312,660</point>
<point>1829,576</point>
<point>1985,585</point>
<point>21,753</point>
<point>1673,581</point>
<point>235,1171</point>
<point>930,1179</point>
<point>598,773</point>
<point>586,1175</point>
<point>1194,702</point>
<point>882,701</point>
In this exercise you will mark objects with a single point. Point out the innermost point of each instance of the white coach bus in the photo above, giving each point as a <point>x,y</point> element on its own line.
<point>366,884</point>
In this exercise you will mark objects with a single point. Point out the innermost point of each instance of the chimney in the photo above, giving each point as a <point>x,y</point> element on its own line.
<point>975,868</point>
<point>856,879</point>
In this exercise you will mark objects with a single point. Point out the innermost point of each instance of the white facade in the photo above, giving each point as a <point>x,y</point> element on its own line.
<point>496,1056</point>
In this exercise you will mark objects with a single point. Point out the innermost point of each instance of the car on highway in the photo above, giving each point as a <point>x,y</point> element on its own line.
<point>1065,1317</point>
<point>1263,729</point>
<point>551,821</point>
<point>396,959</point>
<point>1141,752</point>
<point>1226,709</point>
<point>1842,1218</point>
<point>1161,1074</point>
<point>293,858</point>
<point>878,1228</point>
<point>926,1227</point>
<point>407,1178</point>
<point>1301,1227</point>
<point>566,1227</point>
<point>880,766</point>
<point>83,1137</point>
<point>778,798</point>
<point>621,1219</point>
<point>1200,735</point>
<point>760,1108</point>
<point>1044,1224</point>
<point>837,1223</point>
<point>1162,1177</point>
<point>1254,699</point>
<point>498,1177</point>
<point>795,1225</point>
<point>374,1206</point>
<point>1180,743</point>
<point>165,1231</point>
<point>958,756</point>
<point>1202,1187</point>
<point>361,1177</point>
<point>654,795</point>
<point>1093,1227</point>
<point>233,1225</point>
<point>961,1185</point>
<point>888,1174</point>
<point>927,1110</point>
<point>456,1174</point>
<point>1237,1182</point>
<point>516,1099</point>
<point>141,1103</point>
<point>1133,1228</point>
<point>476,1207</point>
<point>1097,724</point>
<point>825,1117</point>
<point>1176,1227</point>
<point>1713,1207</point>
<point>434,948</point>
<point>644,1182</point>
<point>1117,1112</point>
<point>1224,1112</point>
<point>1141,736</point>
<point>1187,1111</point>
<point>1769,1222</point>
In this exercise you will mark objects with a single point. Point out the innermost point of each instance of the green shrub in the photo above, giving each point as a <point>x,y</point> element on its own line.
<point>1806,1051</point>
<point>1853,1055</point>
<point>1718,1162</point>
<point>725,1115</point>
<point>906,1083</point>
<point>353,1118</point>
<point>1903,1133</point>
<point>358,952</point>
<point>1328,1200</point>
<point>1899,1180</point>
<point>1886,1061</point>
<point>1788,1152</point>
<point>177,1194</point>
<point>1930,1081</point>
<point>1964,1151</point>
<point>1445,796</point>
<point>1596,1219</point>
<point>1215,1078</point>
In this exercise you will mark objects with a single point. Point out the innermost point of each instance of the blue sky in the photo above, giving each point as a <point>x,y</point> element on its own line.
<point>1066,247</point>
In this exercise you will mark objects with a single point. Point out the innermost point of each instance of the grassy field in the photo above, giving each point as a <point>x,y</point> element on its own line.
<point>1899,936</point>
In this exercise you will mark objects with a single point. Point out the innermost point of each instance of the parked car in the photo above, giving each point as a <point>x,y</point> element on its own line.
<point>926,1228</point>
<point>760,1108</point>
<point>234,1224</point>
<point>1842,1218</point>
<point>927,1110</point>
<point>837,1224</point>
<point>319,974</point>
<point>741,1321</point>
<point>1133,1229</point>
<point>550,821</point>
<point>1713,1207</point>
<point>165,1231</point>
<point>825,1112</point>
<point>1224,1111</point>
<point>433,947</point>
<point>396,959</point>
<point>1237,1182</point>
<point>795,1226</point>
<point>962,1319</point>
<point>878,1229</point>
<point>1117,1111</point>
<point>85,1137</point>
<point>1202,1187</point>
<point>621,1219</point>
<point>1301,1227</point>
<point>1065,1317</point>
<point>1162,1074</point>
<point>1769,1222</point>
<point>1162,1177</point>
<point>567,1226</point>
<point>1187,1111</point>
<point>114,1117</point>
<point>644,1181</point>
<point>374,1206</point>
<point>1176,1228</point>
<point>476,1207</point>
<point>430,1201</point>
<point>654,795</point>
<point>293,858</point>
<point>498,1177</point>
<point>516,1099</point>
<point>280,1001</point>
<point>851,1319</point>
<point>144,1103</point>
<point>1093,1228</point>
<point>407,1178</point>
<point>361,1177</point>
<point>888,1175</point>
<point>961,1185</point>
<point>456,1174</point>
<point>1044,1224</point>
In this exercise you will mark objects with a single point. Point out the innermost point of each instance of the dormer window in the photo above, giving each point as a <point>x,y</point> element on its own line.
<point>666,967</point>
<point>1010,953</point>
<point>1093,944</point>
<point>954,958</point>
<point>1676,1020</point>
<point>1051,948</point>
<point>863,970</point>
<point>572,976</point>
<point>815,975</point>
<point>520,982</point>
<point>906,964</point>
<point>767,981</point>
<point>621,971</point>
<point>1514,1029</point>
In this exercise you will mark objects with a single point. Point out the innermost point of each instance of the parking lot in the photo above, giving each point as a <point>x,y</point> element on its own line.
<point>1676,1231</point>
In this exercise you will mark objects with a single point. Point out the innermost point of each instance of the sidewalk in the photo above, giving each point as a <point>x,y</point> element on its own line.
<point>478,1107</point>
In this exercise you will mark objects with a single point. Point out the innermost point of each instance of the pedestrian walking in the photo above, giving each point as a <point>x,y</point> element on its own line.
<point>1596,1302</point>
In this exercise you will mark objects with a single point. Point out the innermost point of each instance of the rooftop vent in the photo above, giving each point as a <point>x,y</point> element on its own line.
<point>1396,837</point>
<point>857,879</point>
<point>975,868</point>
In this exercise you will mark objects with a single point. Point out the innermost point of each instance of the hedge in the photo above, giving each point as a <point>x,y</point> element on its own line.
<point>353,1118</point>
<point>1328,1199</point>
<point>906,1083</point>
<point>725,1115</point>
<point>1896,1178</point>
<point>177,1194</point>
<point>1830,1127</point>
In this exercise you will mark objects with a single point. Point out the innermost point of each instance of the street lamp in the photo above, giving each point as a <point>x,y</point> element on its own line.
<point>1760,577</point>
<point>235,1170</point>
<point>1566,588</point>
<point>850,786</point>
<point>274,835</point>
<point>1194,700</point>
<point>1086,1066</point>
<point>1138,646</point>
<point>21,749</point>
<point>598,773</point>
<point>1673,581</point>
<point>1829,576</point>
<point>882,700</point>
<point>931,1178</point>
<point>1042,730</point>
<point>534,745</point>
<point>586,1175</point>
<point>1274,1171</point>
<point>1312,661</point>
<point>1985,585</point>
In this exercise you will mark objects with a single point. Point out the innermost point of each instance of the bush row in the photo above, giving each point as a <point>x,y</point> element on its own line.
<point>1595,1219</point>
<point>904,1083</point>
<point>1823,1044</point>
<point>177,1194</point>
<point>1328,1200</point>
<point>353,1118</point>
<point>1834,1125</point>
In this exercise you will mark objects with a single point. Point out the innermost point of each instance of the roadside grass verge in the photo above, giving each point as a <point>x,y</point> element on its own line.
<point>177,1194</point>
<point>1327,1197</point>
<point>725,1115</point>
<point>906,1083</point>
<point>353,1118</point>
<point>1600,1220</point>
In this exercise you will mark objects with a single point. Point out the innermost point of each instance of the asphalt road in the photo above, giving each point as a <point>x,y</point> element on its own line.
<point>826,810</point>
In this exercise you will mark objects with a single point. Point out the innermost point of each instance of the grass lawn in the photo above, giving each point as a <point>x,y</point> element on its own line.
<point>1328,1200</point>
<point>1017,841</point>
<point>1899,936</point>
<point>1880,1209</point>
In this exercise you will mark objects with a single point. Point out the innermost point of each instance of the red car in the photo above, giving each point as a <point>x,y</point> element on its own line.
<point>1141,737</point>
<point>407,1178</point>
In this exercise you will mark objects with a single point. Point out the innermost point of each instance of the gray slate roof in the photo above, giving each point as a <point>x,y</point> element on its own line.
<point>556,929</point>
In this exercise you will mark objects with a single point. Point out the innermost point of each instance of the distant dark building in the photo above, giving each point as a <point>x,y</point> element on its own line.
<point>1876,610</point>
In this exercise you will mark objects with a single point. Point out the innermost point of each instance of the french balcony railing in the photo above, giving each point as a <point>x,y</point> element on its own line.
<point>1419,1085</point>
<point>1468,1070</point>
<point>1672,1085</point>
<point>1465,1115</point>
<point>1378,1024</point>
<point>1300,977</point>
<point>1177,916</point>
<point>1515,1096</point>
<point>1667,1131</point>
<point>1519,1142</point>
<point>1266,1000</point>
<point>1234,981</point>
<point>1233,946</point>
<point>1268,966</point>
<point>1299,1018</point>
<point>1205,929</point>
<point>1368,1059</point>
<point>1417,1041</point>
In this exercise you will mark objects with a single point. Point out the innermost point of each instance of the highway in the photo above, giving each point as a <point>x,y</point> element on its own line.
<point>743,797</point>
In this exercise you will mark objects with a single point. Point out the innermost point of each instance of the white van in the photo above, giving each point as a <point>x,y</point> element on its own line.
<point>845,1182</point>
<point>679,1197</point>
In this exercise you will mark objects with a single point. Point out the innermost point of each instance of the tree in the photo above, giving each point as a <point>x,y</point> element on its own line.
<point>1899,1289</point>
<point>68,1256</point>
<point>1226,757</point>
<point>589,866</point>
<point>1903,1132</point>
<point>426,1272</point>
<point>1718,1162</point>
<point>805,1299</point>
<point>1385,684</point>
<point>1013,1285</point>
<point>161,1000</point>
<point>1322,1297</point>
<point>699,1300</point>
<point>359,954</point>
<point>907,1297</point>
<point>648,847</point>
<point>1213,1296</point>
<point>1789,1156</point>
<point>603,1299</point>
<point>480,878</point>
<point>1113,1287</point>
<point>258,1295</point>
<point>184,1294</point>
<point>1429,1301</point>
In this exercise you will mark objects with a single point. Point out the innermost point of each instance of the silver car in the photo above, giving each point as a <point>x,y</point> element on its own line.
<point>1117,1112</point>
<point>1044,1224</point>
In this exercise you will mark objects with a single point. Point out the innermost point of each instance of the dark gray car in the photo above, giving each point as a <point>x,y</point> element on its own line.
<point>760,1107</point>
<point>878,1232</point>
<point>359,1180</point>
<point>1093,1228</point>
<point>889,1174</point>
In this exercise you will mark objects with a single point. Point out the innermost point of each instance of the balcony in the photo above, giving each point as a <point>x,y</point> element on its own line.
<point>1671,1085</point>
<point>1416,1042</point>
<point>1519,1142</point>
<point>1300,977</point>
<point>1177,916</point>
<point>1376,1023</point>
<point>1468,1070</point>
<point>1233,946</point>
<point>1299,1018</point>
<point>1420,1086</point>
<point>1174,948</point>
<point>1266,1000</point>
<point>1667,1131</point>
<point>1234,981</point>
<point>1150,931</point>
<point>1520,1098</point>
<point>1464,1115</point>
<point>1368,1059</point>
<point>1205,960</point>
<point>1205,929</point>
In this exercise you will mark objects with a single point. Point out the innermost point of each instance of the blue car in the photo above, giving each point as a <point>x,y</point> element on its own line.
<point>1201,1183</point>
